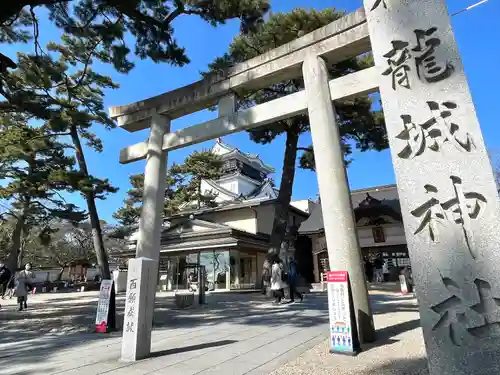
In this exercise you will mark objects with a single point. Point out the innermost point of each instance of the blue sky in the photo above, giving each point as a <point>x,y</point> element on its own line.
<point>477,35</point>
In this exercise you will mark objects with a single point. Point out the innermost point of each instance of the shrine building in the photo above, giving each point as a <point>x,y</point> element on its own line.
<point>231,239</point>
<point>379,228</point>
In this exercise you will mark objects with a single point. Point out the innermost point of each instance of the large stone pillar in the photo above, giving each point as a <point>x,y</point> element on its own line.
<point>340,229</point>
<point>150,224</point>
<point>148,243</point>
<point>449,199</point>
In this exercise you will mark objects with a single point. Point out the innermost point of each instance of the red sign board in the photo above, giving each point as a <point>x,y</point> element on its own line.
<point>336,276</point>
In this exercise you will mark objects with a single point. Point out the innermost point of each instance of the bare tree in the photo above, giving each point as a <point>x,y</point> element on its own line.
<point>61,245</point>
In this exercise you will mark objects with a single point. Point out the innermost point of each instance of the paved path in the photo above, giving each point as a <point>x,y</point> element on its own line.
<point>233,334</point>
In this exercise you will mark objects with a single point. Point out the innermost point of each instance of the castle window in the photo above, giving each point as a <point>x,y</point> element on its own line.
<point>378,234</point>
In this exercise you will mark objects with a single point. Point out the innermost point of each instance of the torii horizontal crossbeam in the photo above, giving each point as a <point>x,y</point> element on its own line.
<point>344,38</point>
<point>362,82</point>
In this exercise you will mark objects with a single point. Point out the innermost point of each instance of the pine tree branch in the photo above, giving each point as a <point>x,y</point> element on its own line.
<point>303,149</point>
<point>247,43</point>
<point>177,12</point>
<point>60,196</point>
<point>42,205</point>
<point>48,136</point>
<point>36,32</point>
<point>11,8</point>
<point>86,65</point>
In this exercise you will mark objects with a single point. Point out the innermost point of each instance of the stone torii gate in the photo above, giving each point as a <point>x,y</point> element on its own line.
<point>446,186</point>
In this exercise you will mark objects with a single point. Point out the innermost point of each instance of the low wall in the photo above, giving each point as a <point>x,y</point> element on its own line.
<point>53,273</point>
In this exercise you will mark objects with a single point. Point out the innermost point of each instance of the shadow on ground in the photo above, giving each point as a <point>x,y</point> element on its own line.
<point>191,348</point>
<point>65,323</point>
<point>416,366</point>
<point>385,336</point>
<point>59,316</point>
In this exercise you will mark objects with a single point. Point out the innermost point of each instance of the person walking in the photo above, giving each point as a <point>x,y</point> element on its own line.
<point>368,270</point>
<point>5,276</point>
<point>378,264</point>
<point>277,284</point>
<point>385,270</point>
<point>292,281</point>
<point>406,272</point>
<point>24,280</point>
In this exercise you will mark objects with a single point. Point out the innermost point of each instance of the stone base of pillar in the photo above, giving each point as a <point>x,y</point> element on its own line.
<point>137,325</point>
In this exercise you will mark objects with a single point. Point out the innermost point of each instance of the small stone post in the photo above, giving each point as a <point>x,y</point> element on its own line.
<point>136,340</point>
<point>340,229</point>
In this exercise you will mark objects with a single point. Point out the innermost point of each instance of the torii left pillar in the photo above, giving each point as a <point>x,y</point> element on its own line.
<point>143,271</point>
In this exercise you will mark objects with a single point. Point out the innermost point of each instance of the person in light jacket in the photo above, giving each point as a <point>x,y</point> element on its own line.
<point>23,282</point>
<point>277,283</point>
<point>385,270</point>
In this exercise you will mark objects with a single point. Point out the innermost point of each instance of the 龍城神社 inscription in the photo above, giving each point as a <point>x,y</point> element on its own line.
<point>434,132</point>
<point>379,3</point>
<point>463,321</point>
<point>451,224</point>
<point>460,209</point>
<point>426,64</point>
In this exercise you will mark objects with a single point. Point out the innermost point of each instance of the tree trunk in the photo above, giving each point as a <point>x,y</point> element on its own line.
<point>14,261</point>
<point>281,210</point>
<point>102,258</point>
<point>61,272</point>
<point>20,255</point>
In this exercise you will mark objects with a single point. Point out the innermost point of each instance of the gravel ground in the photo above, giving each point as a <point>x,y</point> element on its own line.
<point>399,349</point>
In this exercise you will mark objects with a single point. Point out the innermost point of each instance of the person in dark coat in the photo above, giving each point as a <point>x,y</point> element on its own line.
<point>368,270</point>
<point>5,276</point>
<point>378,264</point>
<point>292,281</point>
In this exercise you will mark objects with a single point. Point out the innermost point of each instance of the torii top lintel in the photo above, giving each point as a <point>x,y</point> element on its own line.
<point>344,38</point>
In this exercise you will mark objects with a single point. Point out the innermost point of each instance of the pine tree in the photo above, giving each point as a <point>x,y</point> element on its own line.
<point>200,165</point>
<point>58,86</point>
<point>148,21</point>
<point>128,215</point>
<point>183,189</point>
<point>35,170</point>
<point>358,123</point>
<point>62,81</point>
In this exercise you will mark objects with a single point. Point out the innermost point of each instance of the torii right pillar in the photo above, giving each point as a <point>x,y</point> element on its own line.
<point>446,186</point>
<point>340,228</point>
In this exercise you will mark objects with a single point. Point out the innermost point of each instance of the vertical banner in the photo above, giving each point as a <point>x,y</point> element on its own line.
<point>343,332</point>
<point>102,316</point>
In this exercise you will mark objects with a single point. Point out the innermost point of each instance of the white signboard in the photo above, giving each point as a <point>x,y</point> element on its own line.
<point>343,339</point>
<point>101,319</point>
